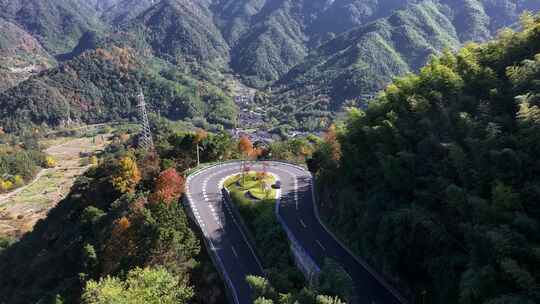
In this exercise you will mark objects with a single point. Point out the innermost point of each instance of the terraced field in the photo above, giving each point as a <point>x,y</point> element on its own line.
<point>22,208</point>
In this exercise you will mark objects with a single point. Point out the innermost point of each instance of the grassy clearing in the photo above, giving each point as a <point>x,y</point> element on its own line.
<point>250,185</point>
<point>19,212</point>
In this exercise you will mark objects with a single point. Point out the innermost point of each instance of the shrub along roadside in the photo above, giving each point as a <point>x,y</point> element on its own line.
<point>285,282</point>
<point>270,240</point>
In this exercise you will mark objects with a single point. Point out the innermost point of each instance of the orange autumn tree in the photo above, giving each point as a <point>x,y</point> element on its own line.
<point>120,244</point>
<point>331,139</point>
<point>168,188</point>
<point>127,176</point>
<point>245,146</point>
<point>246,149</point>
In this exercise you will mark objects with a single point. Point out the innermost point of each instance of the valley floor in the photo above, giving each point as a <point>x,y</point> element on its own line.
<point>23,207</point>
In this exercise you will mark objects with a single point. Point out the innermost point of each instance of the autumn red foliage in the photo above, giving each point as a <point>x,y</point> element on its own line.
<point>169,187</point>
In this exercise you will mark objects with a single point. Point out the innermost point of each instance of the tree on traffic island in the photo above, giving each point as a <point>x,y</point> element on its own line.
<point>246,150</point>
<point>50,162</point>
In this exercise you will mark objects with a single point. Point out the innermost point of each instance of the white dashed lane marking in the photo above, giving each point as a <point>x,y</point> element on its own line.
<point>320,244</point>
<point>296,192</point>
<point>234,252</point>
<point>303,224</point>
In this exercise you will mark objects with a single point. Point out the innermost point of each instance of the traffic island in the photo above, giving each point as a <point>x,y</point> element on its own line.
<point>251,187</point>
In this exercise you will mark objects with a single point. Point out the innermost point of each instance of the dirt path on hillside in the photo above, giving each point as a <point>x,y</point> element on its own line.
<point>5,196</point>
<point>23,207</point>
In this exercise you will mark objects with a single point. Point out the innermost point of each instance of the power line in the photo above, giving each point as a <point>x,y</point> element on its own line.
<point>145,141</point>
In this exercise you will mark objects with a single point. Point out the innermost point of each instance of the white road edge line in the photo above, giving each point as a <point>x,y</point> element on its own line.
<point>220,186</point>
<point>228,165</point>
<point>191,203</point>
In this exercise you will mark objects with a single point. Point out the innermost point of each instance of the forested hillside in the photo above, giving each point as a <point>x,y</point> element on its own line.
<point>58,25</point>
<point>116,12</point>
<point>437,182</point>
<point>100,86</point>
<point>21,55</point>
<point>271,37</point>
<point>363,60</point>
<point>120,236</point>
<point>180,31</point>
<point>342,50</point>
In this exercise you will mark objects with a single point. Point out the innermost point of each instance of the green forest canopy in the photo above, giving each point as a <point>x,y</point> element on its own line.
<point>438,181</point>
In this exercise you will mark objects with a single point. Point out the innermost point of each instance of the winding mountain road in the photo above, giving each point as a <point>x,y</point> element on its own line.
<point>235,256</point>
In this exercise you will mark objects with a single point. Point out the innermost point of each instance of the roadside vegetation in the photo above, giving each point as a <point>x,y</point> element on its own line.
<point>437,182</point>
<point>254,196</point>
<point>123,215</point>
<point>270,239</point>
<point>117,231</point>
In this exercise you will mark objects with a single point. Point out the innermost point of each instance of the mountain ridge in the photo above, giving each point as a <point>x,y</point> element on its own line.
<point>21,55</point>
<point>346,49</point>
<point>419,31</point>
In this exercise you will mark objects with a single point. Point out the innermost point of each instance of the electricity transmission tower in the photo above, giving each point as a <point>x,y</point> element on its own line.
<point>145,140</point>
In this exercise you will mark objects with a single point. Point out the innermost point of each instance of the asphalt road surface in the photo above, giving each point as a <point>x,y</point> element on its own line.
<point>235,255</point>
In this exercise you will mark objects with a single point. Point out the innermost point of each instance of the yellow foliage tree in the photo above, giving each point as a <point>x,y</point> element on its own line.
<point>331,138</point>
<point>128,175</point>
<point>50,162</point>
<point>18,181</point>
<point>5,185</point>
<point>93,160</point>
<point>200,135</point>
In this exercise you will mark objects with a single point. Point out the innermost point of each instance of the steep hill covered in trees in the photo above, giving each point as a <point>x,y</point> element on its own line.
<point>269,38</point>
<point>100,86</point>
<point>437,181</point>
<point>21,55</point>
<point>181,30</point>
<point>344,48</point>
<point>365,58</point>
<point>58,25</point>
<point>120,235</point>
